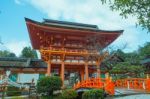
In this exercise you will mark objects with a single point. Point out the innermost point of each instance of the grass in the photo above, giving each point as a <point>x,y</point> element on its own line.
<point>18,97</point>
<point>51,97</point>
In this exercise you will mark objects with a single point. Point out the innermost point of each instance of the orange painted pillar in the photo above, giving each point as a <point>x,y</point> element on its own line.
<point>59,71</point>
<point>86,71</point>
<point>82,75</point>
<point>98,70</point>
<point>49,68</point>
<point>62,73</point>
<point>148,84</point>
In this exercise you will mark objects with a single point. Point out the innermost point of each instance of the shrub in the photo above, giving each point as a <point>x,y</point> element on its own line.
<point>93,94</point>
<point>46,97</point>
<point>46,85</point>
<point>69,94</point>
<point>50,97</point>
<point>13,91</point>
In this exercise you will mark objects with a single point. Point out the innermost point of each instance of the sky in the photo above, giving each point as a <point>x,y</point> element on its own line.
<point>14,34</point>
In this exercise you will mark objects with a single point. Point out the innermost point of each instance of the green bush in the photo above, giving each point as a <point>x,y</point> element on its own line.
<point>50,97</point>
<point>93,94</point>
<point>46,97</point>
<point>69,94</point>
<point>46,85</point>
<point>13,91</point>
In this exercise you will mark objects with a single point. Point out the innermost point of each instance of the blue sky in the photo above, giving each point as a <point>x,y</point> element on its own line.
<point>14,34</point>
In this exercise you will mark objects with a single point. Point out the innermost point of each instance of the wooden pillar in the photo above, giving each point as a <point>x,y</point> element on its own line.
<point>62,73</point>
<point>98,70</point>
<point>49,68</point>
<point>86,71</point>
<point>59,71</point>
<point>82,75</point>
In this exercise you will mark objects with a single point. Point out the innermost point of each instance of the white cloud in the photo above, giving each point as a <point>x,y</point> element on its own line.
<point>16,46</point>
<point>91,12</point>
<point>85,11</point>
<point>18,2</point>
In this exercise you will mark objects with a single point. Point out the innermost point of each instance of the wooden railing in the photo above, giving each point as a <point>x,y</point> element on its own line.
<point>65,50</point>
<point>97,83</point>
<point>134,83</point>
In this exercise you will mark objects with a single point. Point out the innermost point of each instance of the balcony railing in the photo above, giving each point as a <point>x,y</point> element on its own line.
<point>80,51</point>
<point>72,61</point>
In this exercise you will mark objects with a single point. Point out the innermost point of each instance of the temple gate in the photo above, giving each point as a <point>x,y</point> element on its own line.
<point>68,46</point>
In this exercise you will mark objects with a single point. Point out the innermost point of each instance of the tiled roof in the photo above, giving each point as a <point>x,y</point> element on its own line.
<point>69,24</point>
<point>21,62</point>
<point>145,61</point>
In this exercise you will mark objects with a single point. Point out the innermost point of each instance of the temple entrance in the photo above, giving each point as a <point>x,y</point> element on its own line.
<point>71,47</point>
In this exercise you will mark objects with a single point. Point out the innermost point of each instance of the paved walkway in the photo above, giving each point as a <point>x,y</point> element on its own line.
<point>124,91</point>
<point>141,96</point>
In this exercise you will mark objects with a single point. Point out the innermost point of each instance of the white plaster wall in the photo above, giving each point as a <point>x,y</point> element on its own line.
<point>25,78</point>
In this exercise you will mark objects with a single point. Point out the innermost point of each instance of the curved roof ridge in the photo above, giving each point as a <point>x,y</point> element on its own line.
<point>70,23</point>
<point>65,24</point>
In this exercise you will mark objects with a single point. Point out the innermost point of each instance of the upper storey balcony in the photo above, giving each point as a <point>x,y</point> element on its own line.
<point>72,62</point>
<point>68,51</point>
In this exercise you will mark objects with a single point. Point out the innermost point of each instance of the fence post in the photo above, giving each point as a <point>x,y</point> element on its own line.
<point>109,86</point>
<point>148,85</point>
<point>128,84</point>
<point>144,85</point>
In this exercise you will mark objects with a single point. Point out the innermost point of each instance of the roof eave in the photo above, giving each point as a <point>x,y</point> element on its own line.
<point>94,30</point>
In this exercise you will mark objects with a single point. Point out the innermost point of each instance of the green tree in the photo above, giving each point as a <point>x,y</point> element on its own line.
<point>133,58</point>
<point>138,8</point>
<point>93,94</point>
<point>13,91</point>
<point>46,85</point>
<point>6,53</point>
<point>12,55</point>
<point>69,94</point>
<point>129,67</point>
<point>112,60</point>
<point>145,50</point>
<point>120,53</point>
<point>27,52</point>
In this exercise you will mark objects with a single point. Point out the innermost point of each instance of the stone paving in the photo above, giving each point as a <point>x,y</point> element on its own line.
<point>140,96</point>
<point>124,91</point>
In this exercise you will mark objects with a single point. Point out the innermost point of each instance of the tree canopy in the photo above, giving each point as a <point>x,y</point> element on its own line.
<point>27,52</point>
<point>145,50</point>
<point>138,8</point>
<point>6,53</point>
<point>131,66</point>
<point>46,85</point>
